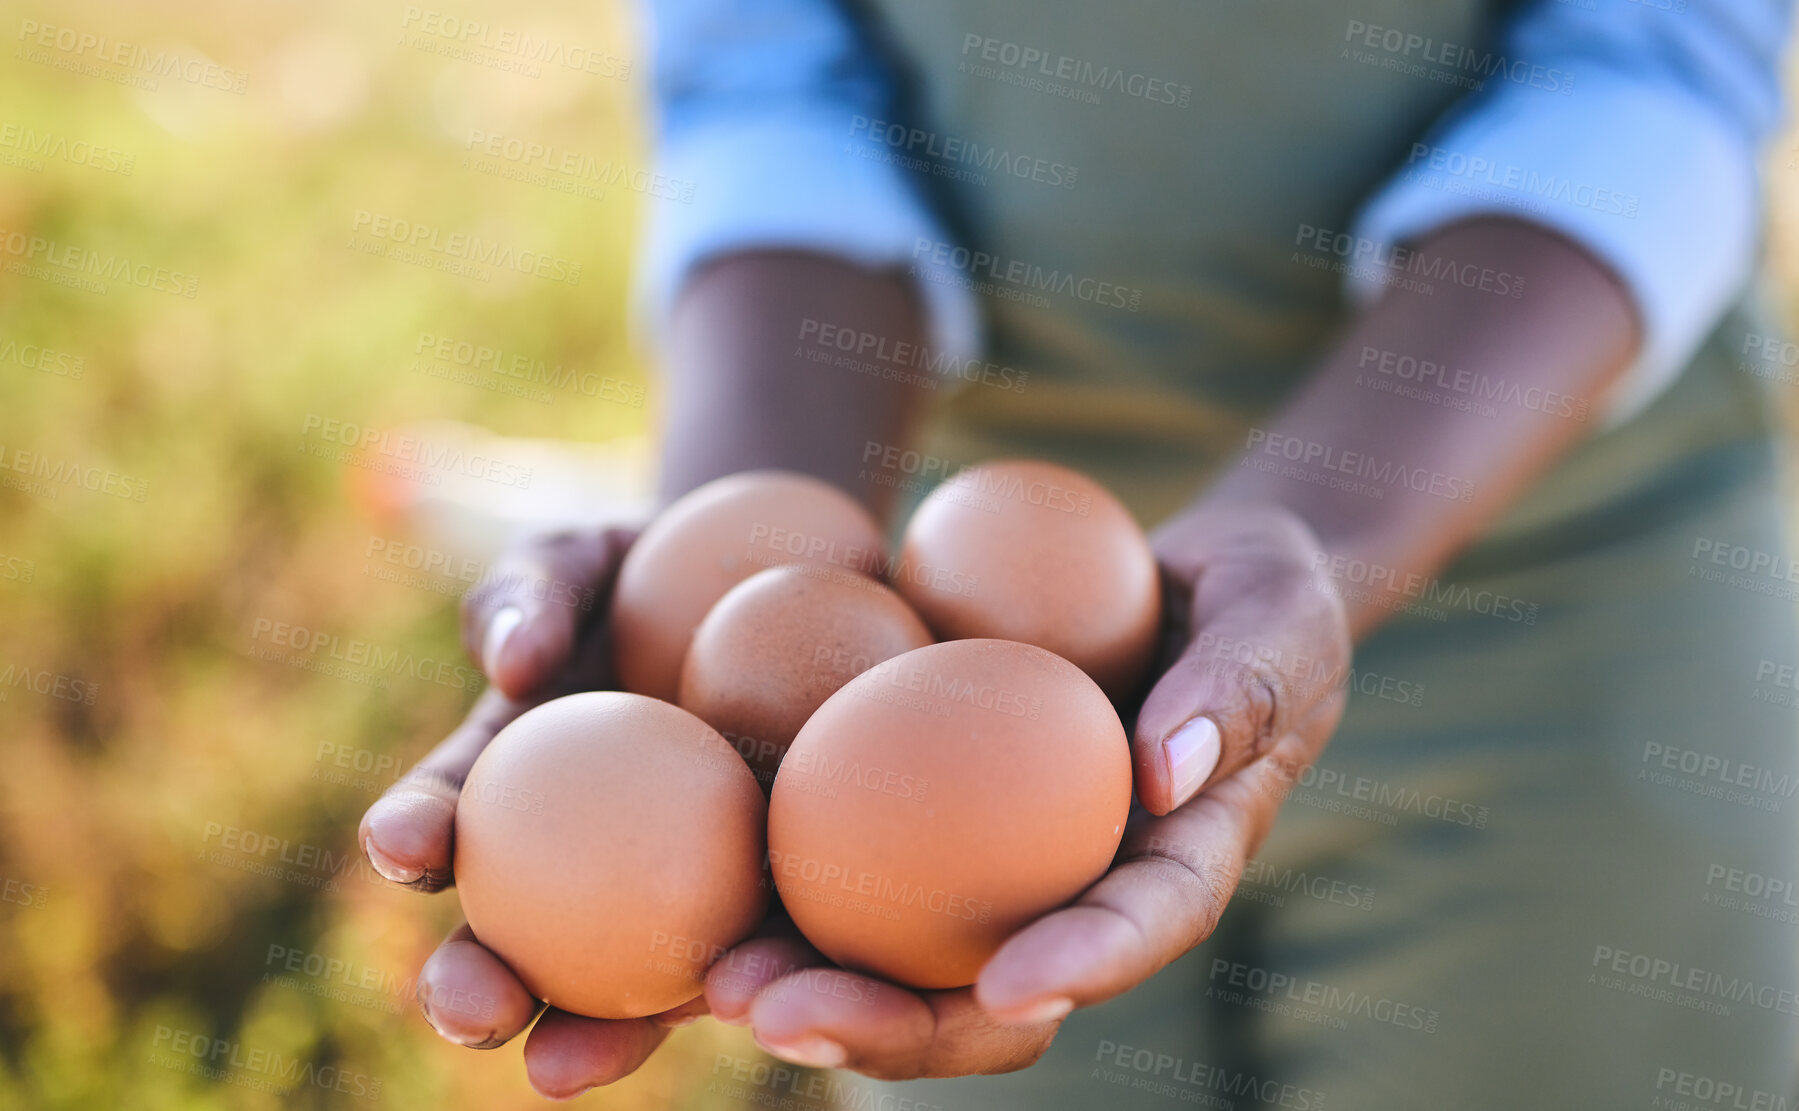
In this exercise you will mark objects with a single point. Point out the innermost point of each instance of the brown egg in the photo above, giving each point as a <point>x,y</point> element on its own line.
<point>780,643</point>
<point>1033,552</point>
<point>711,540</point>
<point>941,801</point>
<point>609,848</point>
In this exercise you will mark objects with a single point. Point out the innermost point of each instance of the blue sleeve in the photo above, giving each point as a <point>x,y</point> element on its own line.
<point>755,104</point>
<point>1634,128</point>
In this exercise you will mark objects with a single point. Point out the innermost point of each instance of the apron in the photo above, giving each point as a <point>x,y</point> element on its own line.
<point>1539,803</point>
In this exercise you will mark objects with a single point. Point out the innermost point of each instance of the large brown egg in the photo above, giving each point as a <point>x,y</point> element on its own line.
<point>780,643</point>
<point>1033,552</point>
<point>941,801</point>
<point>609,847</point>
<point>709,541</point>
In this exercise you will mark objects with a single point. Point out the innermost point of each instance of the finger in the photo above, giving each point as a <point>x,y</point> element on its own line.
<point>408,834</point>
<point>736,978</point>
<point>1270,644</point>
<point>829,1018</point>
<point>470,997</point>
<point>568,1054</point>
<point>1174,877</point>
<point>676,1017</point>
<point>522,620</point>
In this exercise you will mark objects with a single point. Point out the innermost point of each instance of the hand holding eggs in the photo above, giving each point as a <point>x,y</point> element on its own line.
<point>928,799</point>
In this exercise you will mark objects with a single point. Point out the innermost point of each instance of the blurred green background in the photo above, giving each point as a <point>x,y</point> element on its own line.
<point>200,302</point>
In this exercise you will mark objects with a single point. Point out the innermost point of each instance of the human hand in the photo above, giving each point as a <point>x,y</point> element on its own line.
<point>532,649</point>
<point>1259,648</point>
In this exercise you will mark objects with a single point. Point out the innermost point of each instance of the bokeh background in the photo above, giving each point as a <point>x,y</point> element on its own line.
<point>223,629</point>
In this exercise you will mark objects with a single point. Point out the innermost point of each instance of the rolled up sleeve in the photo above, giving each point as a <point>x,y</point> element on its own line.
<point>1633,128</point>
<point>755,101</point>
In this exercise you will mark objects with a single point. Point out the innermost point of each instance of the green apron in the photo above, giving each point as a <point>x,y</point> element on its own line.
<point>1549,859</point>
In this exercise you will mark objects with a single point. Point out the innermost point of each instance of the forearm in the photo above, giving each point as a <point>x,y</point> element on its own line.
<point>740,392</point>
<point>1571,333</point>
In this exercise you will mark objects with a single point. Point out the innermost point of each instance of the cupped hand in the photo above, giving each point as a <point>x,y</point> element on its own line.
<point>537,626</point>
<point>1259,648</point>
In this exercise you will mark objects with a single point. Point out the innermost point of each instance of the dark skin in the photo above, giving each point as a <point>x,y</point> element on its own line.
<point>1243,568</point>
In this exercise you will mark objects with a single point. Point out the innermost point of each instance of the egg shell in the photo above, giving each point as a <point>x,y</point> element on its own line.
<point>1034,552</point>
<point>609,847</point>
<point>781,642</point>
<point>705,543</point>
<point>941,801</point>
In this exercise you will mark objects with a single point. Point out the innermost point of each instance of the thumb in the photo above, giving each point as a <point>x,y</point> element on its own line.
<point>522,621</point>
<point>1270,646</point>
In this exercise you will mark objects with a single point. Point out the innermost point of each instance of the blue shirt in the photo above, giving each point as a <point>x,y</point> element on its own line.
<point>1674,101</point>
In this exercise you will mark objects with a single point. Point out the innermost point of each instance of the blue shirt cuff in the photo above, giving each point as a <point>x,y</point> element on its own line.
<point>1644,176</point>
<point>797,181</point>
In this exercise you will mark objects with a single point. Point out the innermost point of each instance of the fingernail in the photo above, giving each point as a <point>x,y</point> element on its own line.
<point>739,1020</point>
<point>808,1050</point>
<point>674,1022</point>
<point>430,1019</point>
<point>1044,1010</point>
<point>499,631</point>
<point>1192,752</point>
<point>389,868</point>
